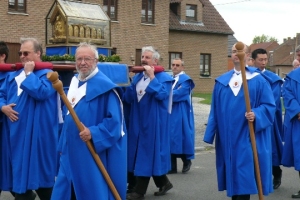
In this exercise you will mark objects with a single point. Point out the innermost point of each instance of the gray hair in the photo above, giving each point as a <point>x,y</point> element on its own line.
<point>90,46</point>
<point>182,62</point>
<point>297,49</point>
<point>36,44</point>
<point>155,54</point>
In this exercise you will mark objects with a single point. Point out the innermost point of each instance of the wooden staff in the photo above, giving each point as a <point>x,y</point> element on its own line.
<point>57,85</point>
<point>241,55</point>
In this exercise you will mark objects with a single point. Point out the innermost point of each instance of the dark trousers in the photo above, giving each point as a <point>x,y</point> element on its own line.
<point>143,182</point>
<point>276,171</point>
<point>131,180</point>
<point>241,197</point>
<point>43,193</point>
<point>174,160</point>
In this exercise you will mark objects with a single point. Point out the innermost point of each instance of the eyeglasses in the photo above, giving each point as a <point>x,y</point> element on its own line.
<point>177,65</point>
<point>86,60</point>
<point>25,53</point>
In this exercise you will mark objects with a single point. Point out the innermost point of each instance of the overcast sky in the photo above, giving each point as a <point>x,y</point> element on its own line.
<point>250,18</point>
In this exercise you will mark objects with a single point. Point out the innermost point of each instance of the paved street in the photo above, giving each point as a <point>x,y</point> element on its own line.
<point>200,183</point>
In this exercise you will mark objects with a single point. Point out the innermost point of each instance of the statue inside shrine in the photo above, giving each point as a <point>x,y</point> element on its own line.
<point>94,33</point>
<point>81,32</point>
<point>59,28</point>
<point>70,30</point>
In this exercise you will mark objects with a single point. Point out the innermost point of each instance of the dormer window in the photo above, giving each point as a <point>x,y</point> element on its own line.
<point>191,13</point>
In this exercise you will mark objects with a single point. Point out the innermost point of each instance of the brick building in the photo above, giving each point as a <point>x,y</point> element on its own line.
<point>191,29</point>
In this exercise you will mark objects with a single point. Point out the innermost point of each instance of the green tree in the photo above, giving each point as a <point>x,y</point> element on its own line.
<point>263,38</point>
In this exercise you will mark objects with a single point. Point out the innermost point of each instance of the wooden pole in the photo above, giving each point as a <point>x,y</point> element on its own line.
<point>241,55</point>
<point>57,85</point>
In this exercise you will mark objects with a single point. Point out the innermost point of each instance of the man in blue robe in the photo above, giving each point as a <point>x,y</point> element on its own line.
<point>291,99</point>
<point>4,152</point>
<point>260,60</point>
<point>228,125</point>
<point>31,127</point>
<point>148,134</point>
<point>182,124</point>
<point>97,104</point>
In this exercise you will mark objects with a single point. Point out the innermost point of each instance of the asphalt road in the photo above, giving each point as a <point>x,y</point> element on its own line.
<point>200,183</point>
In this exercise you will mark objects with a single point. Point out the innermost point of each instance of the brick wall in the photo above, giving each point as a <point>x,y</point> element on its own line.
<point>128,34</point>
<point>191,45</point>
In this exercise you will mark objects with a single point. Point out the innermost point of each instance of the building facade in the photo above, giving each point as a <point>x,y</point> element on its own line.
<point>190,29</point>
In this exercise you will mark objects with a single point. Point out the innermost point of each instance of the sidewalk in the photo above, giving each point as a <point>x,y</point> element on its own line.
<point>201,112</point>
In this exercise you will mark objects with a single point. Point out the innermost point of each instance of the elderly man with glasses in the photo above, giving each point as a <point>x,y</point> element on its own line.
<point>96,101</point>
<point>31,124</point>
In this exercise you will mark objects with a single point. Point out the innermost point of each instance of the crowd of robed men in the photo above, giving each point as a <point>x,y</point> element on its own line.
<point>42,149</point>
<point>37,155</point>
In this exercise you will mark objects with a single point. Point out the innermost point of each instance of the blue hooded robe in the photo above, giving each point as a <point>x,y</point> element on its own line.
<point>100,110</point>
<point>148,134</point>
<point>32,139</point>
<point>277,129</point>
<point>291,97</point>
<point>182,125</point>
<point>229,127</point>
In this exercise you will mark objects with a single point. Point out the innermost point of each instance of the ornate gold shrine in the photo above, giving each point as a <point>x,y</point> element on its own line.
<point>74,22</point>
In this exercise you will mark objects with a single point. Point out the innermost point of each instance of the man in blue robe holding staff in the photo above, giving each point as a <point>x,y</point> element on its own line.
<point>95,99</point>
<point>31,124</point>
<point>228,126</point>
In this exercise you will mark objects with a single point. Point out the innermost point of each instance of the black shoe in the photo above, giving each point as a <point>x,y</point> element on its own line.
<point>135,196</point>
<point>187,167</point>
<point>277,180</point>
<point>276,183</point>
<point>129,191</point>
<point>296,196</point>
<point>163,190</point>
<point>172,172</point>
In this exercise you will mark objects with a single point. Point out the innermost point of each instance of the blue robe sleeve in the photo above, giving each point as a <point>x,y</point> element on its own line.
<point>108,132</point>
<point>212,127</point>
<point>3,94</point>
<point>264,113</point>
<point>39,88</point>
<point>182,93</point>
<point>291,104</point>
<point>128,94</point>
<point>161,91</point>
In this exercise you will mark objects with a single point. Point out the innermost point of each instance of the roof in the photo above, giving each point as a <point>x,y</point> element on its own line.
<point>264,45</point>
<point>212,22</point>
